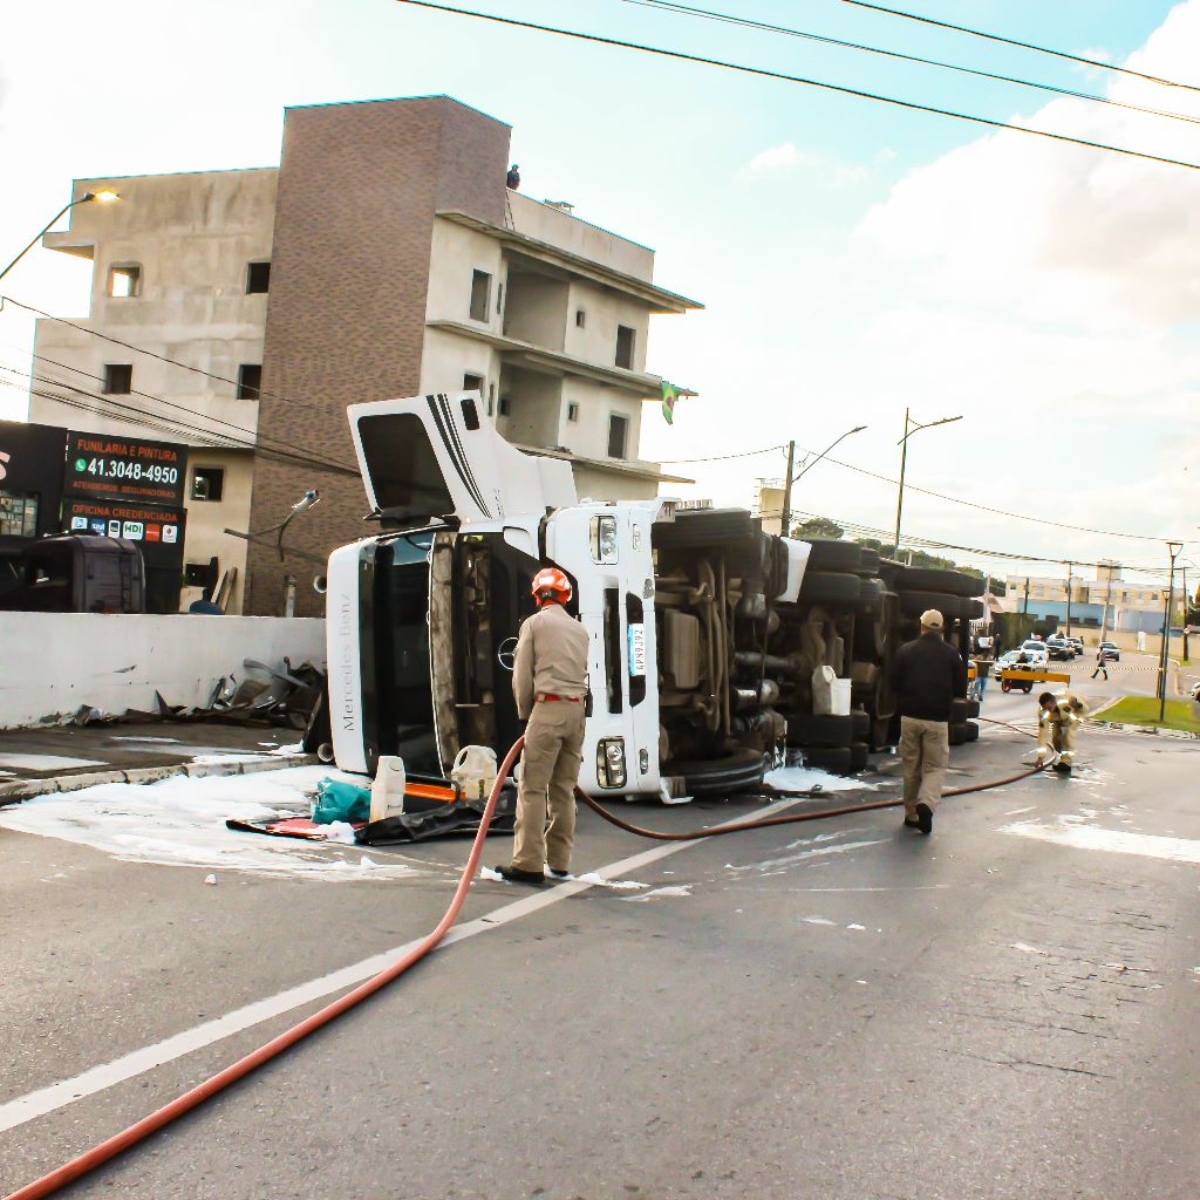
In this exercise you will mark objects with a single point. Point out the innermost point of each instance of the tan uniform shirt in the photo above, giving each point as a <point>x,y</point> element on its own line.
<point>552,651</point>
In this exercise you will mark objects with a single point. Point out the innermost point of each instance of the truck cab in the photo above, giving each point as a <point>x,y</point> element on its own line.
<point>423,616</point>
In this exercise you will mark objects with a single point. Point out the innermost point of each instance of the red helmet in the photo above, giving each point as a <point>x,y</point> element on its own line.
<point>551,584</point>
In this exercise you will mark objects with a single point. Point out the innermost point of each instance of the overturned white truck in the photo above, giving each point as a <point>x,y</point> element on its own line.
<point>705,631</point>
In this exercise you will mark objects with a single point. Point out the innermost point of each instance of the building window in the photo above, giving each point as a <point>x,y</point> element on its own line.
<point>118,379</point>
<point>473,383</point>
<point>580,318</point>
<point>249,381</point>
<point>258,277</point>
<point>197,575</point>
<point>18,515</point>
<point>573,411</point>
<point>618,432</point>
<point>625,337</point>
<point>208,483</point>
<point>504,406</point>
<point>124,282</point>
<point>481,286</point>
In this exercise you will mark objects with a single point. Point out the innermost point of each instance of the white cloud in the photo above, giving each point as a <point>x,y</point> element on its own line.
<point>786,159</point>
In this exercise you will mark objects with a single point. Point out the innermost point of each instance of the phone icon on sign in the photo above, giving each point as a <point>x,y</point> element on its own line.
<point>114,529</point>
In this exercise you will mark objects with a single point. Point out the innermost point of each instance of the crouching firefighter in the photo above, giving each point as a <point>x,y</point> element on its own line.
<point>550,688</point>
<point>1058,719</point>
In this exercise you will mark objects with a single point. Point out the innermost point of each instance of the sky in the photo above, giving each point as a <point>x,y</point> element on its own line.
<point>857,260</point>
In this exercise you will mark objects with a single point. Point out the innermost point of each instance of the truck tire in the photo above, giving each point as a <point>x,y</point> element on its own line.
<point>812,729</point>
<point>860,725</point>
<point>838,759</point>
<point>871,593</point>
<point>834,556</point>
<point>958,733</point>
<point>972,709</point>
<point>953,583</point>
<point>738,771</point>
<point>914,603</point>
<point>829,587</point>
<point>972,731</point>
<point>859,756</point>
<point>706,527</point>
<point>868,563</point>
<point>958,710</point>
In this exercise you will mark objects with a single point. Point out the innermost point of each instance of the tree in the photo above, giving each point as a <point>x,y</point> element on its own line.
<point>818,527</point>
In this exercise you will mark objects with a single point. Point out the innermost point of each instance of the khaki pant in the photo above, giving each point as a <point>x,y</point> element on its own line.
<point>549,772</point>
<point>1060,736</point>
<point>925,754</point>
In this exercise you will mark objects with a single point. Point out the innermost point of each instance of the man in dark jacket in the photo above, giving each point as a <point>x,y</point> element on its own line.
<point>927,675</point>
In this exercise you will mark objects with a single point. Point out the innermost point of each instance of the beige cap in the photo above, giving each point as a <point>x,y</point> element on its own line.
<point>931,619</point>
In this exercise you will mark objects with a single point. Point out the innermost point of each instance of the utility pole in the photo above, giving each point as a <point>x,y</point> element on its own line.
<point>1025,606</point>
<point>785,523</point>
<point>1173,549</point>
<point>1184,622</point>
<point>1070,568</point>
<point>1107,599</point>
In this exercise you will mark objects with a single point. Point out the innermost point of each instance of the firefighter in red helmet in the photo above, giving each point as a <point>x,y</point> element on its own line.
<point>550,688</point>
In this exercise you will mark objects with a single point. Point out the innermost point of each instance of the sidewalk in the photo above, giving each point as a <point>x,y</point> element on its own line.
<point>63,758</point>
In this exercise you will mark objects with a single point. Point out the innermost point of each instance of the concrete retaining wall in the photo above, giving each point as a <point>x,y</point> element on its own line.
<point>52,664</point>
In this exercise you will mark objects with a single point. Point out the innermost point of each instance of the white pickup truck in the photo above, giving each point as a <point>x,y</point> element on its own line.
<point>705,631</point>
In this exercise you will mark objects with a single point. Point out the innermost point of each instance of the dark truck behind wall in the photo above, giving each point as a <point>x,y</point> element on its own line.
<point>78,573</point>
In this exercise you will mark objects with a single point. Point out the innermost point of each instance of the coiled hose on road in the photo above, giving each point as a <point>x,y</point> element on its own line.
<point>125,1140</point>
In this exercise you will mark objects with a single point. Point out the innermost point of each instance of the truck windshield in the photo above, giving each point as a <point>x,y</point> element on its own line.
<point>402,467</point>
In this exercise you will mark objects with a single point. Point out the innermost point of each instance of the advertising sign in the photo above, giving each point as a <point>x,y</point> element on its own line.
<point>116,468</point>
<point>31,459</point>
<point>142,523</point>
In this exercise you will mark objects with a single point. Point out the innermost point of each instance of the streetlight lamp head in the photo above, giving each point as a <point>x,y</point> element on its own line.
<point>103,196</point>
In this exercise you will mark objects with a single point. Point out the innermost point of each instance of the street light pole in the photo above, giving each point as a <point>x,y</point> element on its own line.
<point>804,470</point>
<point>1173,548</point>
<point>903,443</point>
<point>104,196</point>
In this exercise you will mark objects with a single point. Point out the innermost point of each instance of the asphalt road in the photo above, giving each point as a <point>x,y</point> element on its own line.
<point>834,1009</point>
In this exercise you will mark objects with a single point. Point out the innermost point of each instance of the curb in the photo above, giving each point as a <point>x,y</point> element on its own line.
<point>14,793</point>
<point>1156,730</point>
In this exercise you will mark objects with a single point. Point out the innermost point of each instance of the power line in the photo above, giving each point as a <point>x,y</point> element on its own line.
<point>995,37</point>
<point>999,512</point>
<point>672,462</point>
<point>805,81</point>
<point>763,26</point>
<point>884,536</point>
<point>255,438</point>
<point>174,362</point>
<point>174,426</point>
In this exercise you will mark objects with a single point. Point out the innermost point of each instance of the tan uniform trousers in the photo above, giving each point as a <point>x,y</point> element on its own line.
<point>925,754</point>
<point>1059,734</point>
<point>549,772</point>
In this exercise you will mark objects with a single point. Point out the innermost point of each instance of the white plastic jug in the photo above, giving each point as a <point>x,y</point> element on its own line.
<point>474,771</point>
<point>387,789</point>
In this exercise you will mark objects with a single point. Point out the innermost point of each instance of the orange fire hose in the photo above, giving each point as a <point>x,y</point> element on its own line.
<point>88,1161</point>
<point>109,1149</point>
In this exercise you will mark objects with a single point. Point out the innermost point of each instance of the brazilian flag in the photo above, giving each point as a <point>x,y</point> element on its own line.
<point>670,393</point>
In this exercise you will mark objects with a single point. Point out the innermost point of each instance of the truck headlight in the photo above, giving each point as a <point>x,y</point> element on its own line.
<point>610,762</point>
<point>604,540</point>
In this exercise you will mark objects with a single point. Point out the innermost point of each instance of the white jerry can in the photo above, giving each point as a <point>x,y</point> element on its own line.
<point>474,771</point>
<point>387,788</point>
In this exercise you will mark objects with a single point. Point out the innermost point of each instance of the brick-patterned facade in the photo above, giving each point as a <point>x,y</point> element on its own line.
<point>359,186</point>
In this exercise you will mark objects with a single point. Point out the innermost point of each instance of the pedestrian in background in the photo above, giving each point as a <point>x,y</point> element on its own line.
<point>550,688</point>
<point>1101,663</point>
<point>982,669</point>
<point>927,675</point>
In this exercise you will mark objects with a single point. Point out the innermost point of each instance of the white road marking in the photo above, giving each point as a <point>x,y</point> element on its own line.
<point>1089,837</point>
<point>97,1079</point>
